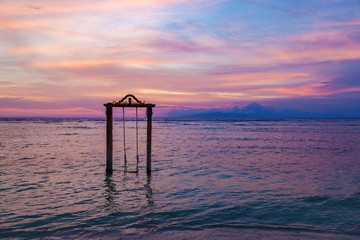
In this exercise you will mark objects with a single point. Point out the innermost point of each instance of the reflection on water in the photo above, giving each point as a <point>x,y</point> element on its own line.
<point>110,189</point>
<point>272,179</point>
<point>130,184</point>
<point>149,192</point>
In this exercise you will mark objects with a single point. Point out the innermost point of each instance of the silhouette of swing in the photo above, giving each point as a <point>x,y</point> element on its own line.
<point>128,101</point>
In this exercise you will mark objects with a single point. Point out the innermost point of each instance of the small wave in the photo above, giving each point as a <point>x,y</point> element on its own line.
<point>26,158</point>
<point>45,172</point>
<point>243,231</point>
<point>213,128</point>
<point>26,146</point>
<point>190,124</point>
<point>25,189</point>
<point>248,139</point>
<point>80,127</point>
<point>316,199</point>
<point>352,202</point>
<point>262,227</point>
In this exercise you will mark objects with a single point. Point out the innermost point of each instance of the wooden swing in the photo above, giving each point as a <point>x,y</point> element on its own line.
<point>109,131</point>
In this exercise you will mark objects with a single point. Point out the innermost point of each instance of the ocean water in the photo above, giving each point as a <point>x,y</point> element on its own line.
<point>231,179</point>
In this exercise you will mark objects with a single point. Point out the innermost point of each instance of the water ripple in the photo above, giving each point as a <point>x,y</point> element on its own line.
<point>247,179</point>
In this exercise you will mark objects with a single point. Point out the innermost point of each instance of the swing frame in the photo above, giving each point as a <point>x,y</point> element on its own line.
<point>109,129</point>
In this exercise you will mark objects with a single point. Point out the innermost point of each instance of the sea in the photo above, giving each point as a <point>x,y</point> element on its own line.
<point>210,179</point>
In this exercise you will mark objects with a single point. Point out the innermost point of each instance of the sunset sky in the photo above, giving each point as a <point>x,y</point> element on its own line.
<point>67,58</point>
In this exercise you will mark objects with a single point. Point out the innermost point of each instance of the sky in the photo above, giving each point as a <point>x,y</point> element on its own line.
<point>68,58</point>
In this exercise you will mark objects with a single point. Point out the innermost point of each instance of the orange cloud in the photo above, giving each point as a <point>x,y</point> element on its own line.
<point>48,7</point>
<point>309,90</point>
<point>266,78</point>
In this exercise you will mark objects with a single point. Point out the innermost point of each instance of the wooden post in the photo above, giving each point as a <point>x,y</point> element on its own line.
<point>109,138</point>
<point>148,139</point>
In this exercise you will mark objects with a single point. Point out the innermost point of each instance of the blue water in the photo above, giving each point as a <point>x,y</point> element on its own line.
<point>240,179</point>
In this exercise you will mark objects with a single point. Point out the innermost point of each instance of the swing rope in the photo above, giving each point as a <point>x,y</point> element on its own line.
<point>137,142</point>
<point>123,120</point>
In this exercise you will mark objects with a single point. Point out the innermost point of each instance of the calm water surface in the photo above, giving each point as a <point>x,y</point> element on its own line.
<point>243,179</point>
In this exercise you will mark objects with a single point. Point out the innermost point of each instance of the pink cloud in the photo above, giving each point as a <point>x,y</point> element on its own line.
<point>79,112</point>
<point>82,50</point>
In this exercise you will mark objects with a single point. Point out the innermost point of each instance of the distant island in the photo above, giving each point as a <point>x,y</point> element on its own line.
<point>253,110</point>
